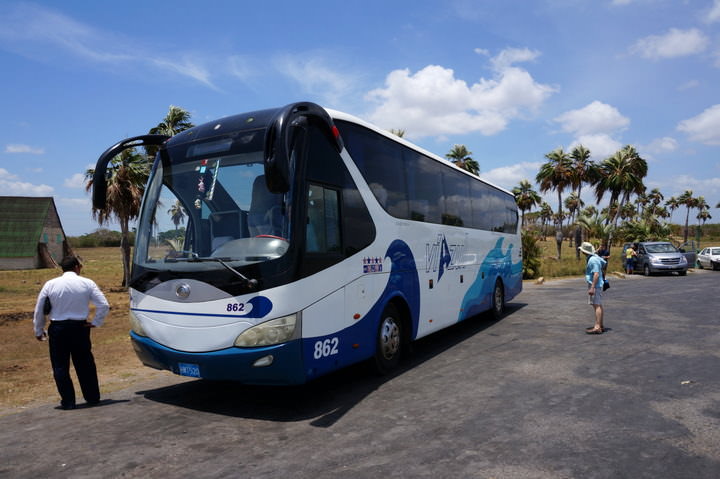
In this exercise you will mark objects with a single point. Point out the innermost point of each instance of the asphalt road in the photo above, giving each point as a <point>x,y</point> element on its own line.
<point>529,396</point>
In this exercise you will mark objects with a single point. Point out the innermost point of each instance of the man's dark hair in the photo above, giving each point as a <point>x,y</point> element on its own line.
<point>69,263</point>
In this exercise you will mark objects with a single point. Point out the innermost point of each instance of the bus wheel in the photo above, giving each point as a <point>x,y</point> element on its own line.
<point>389,340</point>
<point>498,300</point>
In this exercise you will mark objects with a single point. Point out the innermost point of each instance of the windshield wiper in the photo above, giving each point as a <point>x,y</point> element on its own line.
<point>251,283</point>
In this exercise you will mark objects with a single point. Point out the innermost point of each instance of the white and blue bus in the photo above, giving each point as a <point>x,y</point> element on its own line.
<point>311,240</point>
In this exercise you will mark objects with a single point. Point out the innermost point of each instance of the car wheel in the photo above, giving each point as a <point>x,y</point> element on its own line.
<point>682,273</point>
<point>498,300</point>
<point>700,264</point>
<point>646,270</point>
<point>715,266</point>
<point>389,340</point>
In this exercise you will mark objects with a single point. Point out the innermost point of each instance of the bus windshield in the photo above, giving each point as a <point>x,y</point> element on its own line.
<point>207,203</point>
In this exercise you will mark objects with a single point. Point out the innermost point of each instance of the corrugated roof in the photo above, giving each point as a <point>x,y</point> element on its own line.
<point>21,224</point>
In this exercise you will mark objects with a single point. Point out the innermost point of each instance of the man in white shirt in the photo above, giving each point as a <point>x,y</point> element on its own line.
<point>69,297</point>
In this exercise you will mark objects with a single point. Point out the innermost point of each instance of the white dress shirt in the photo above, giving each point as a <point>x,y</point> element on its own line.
<point>70,297</point>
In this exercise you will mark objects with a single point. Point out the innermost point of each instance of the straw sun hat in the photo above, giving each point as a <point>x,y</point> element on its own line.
<point>587,248</point>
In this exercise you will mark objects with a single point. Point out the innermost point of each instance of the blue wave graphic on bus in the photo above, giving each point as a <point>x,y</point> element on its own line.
<point>403,282</point>
<point>478,297</point>
<point>261,306</point>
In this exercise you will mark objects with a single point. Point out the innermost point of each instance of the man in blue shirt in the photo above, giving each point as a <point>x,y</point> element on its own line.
<point>595,280</point>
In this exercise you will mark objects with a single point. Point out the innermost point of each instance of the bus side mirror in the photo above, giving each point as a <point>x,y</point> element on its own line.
<point>279,142</point>
<point>99,194</point>
<point>281,136</point>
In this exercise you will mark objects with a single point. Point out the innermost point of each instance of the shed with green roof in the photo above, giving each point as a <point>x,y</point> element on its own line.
<point>31,235</point>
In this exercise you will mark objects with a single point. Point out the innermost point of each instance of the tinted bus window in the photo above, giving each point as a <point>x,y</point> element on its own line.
<point>381,163</point>
<point>425,193</point>
<point>456,187</point>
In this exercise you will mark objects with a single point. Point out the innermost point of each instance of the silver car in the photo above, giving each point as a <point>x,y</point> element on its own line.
<point>709,258</point>
<point>660,257</point>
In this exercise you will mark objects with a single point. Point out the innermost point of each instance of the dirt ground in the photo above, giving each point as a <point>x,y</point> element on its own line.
<point>25,374</point>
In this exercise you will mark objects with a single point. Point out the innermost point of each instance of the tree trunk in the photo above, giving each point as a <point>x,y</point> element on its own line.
<point>558,241</point>
<point>125,249</point>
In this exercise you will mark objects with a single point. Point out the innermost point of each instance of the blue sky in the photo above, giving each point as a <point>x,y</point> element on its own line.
<point>512,80</point>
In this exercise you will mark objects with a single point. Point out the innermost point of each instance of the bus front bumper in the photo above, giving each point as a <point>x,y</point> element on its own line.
<point>249,366</point>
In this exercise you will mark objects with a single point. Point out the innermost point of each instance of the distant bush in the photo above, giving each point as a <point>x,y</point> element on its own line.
<point>99,238</point>
<point>531,255</point>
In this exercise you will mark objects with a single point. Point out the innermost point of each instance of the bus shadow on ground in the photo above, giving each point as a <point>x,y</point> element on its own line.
<point>325,400</point>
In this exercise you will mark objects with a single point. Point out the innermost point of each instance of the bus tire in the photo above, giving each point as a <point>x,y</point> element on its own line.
<point>498,300</point>
<point>388,344</point>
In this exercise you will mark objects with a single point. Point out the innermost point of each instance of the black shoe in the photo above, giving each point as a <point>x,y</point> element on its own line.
<point>66,407</point>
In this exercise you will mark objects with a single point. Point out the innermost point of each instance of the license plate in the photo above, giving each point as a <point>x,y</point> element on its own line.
<point>188,369</point>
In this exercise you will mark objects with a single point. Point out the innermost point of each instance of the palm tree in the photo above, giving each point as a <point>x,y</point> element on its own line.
<point>556,175</point>
<point>654,199</point>
<point>546,214</point>
<point>672,204</point>
<point>460,155</point>
<point>690,203</point>
<point>583,169</point>
<point>526,198</point>
<point>622,175</point>
<point>128,174</point>
<point>177,214</point>
<point>573,203</point>
<point>176,121</point>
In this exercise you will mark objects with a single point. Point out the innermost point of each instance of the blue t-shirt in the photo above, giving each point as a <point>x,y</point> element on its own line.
<point>595,264</point>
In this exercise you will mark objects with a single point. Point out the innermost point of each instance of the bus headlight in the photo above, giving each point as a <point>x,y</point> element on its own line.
<point>271,332</point>
<point>136,325</point>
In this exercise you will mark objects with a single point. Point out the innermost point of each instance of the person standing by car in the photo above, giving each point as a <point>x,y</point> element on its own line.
<point>66,301</point>
<point>594,279</point>
<point>630,255</point>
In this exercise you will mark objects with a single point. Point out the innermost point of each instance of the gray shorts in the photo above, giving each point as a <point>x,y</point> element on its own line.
<point>597,297</point>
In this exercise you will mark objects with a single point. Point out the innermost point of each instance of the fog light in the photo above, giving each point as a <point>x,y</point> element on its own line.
<point>264,361</point>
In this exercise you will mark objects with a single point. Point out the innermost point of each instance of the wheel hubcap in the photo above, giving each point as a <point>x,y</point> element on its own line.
<point>389,338</point>
<point>498,299</point>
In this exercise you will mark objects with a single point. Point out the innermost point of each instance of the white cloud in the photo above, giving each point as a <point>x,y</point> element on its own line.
<point>40,32</point>
<point>508,177</point>
<point>76,202</point>
<point>601,145</point>
<point>714,14</point>
<point>595,118</point>
<point>707,187</point>
<point>661,145</point>
<point>433,102</point>
<point>10,184</point>
<point>688,85</point>
<point>675,43</point>
<point>510,56</point>
<point>75,181</point>
<point>24,149</point>
<point>704,127</point>
<point>315,77</point>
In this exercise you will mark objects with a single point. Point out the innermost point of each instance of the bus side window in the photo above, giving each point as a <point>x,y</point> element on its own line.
<point>323,228</point>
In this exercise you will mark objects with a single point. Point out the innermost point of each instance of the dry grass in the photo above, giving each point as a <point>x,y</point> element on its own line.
<point>25,374</point>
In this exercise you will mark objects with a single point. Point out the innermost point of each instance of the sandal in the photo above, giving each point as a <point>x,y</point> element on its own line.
<point>593,331</point>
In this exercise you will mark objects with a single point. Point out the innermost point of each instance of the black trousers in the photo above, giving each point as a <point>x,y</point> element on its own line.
<point>71,339</point>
